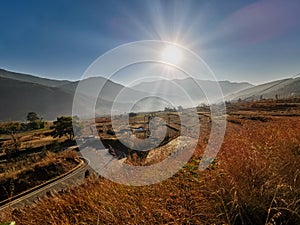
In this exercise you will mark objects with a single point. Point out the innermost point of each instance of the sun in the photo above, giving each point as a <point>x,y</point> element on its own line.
<point>172,54</point>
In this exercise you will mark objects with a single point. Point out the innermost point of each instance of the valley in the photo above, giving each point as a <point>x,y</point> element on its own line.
<point>241,183</point>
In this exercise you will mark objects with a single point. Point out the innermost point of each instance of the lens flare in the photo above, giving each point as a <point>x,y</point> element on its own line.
<point>172,54</point>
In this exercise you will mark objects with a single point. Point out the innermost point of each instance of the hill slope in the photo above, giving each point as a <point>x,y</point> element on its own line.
<point>17,98</point>
<point>31,79</point>
<point>284,88</point>
<point>179,89</point>
<point>109,89</point>
<point>22,93</point>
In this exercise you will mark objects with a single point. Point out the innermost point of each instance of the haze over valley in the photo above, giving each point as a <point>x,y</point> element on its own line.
<point>22,93</point>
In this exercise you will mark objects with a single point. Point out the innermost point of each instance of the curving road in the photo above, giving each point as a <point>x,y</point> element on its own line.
<point>56,184</point>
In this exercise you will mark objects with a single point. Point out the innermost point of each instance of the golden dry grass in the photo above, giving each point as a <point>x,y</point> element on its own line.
<point>254,180</point>
<point>21,175</point>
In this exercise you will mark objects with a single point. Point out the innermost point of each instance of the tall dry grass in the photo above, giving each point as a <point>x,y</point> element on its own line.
<point>28,171</point>
<point>254,180</point>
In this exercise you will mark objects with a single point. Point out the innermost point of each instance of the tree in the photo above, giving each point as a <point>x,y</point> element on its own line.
<point>34,122</point>
<point>179,108</point>
<point>32,116</point>
<point>65,125</point>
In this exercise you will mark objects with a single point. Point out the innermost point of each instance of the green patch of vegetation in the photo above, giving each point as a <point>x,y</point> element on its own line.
<point>9,223</point>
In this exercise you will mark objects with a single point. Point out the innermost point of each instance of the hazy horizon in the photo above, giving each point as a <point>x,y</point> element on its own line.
<point>150,79</point>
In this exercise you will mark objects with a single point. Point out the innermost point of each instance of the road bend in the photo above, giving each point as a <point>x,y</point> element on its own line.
<point>57,184</point>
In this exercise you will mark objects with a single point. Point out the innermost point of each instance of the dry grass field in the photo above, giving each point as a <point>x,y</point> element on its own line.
<point>30,139</point>
<point>255,179</point>
<point>22,174</point>
<point>39,158</point>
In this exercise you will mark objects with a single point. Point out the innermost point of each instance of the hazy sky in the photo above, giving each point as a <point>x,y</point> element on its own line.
<point>254,41</point>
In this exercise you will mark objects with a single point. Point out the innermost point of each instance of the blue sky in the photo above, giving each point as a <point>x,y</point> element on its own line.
<point>254,41</point>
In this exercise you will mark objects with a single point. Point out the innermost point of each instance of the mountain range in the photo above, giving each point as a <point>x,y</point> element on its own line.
<point>23,93</point>
<point>284,88</point>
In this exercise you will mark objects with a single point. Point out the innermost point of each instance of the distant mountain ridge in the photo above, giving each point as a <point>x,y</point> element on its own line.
<point>284,88</point>
<point>17,98</point>
<point>196,90</point>
<point>188,83</point>
<point>22,93</point>
<point>109,89</point>
<point>32,79</point>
